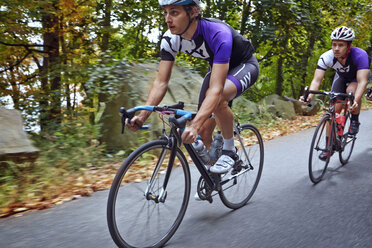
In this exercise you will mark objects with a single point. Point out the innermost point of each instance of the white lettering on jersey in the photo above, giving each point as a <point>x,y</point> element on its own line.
<point>340,68</point>
<point>245,81</point>
<point>199,52</point>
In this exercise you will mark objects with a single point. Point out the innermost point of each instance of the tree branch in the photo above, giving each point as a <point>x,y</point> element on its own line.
<point>26,46</point>
<point>17,63</point>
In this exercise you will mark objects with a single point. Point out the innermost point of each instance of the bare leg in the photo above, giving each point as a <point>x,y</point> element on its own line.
<point>206,132</point>
<point>223,113</point>
<point>223,116</point>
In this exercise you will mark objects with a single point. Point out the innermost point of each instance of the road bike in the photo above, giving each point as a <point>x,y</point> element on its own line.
<point>150,192</point>
<point>331,134</point>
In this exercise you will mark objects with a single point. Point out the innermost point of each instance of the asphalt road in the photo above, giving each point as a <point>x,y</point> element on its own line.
<point>287,210</point>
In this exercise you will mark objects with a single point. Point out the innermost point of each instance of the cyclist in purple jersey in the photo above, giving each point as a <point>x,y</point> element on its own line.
<point>369,94</point>
<point>352,72</point>
<point>233,69</point>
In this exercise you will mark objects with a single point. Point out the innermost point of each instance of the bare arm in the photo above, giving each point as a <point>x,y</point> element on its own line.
<point>212,98</point>
<point>362,78</point>
<point>156,94</point>
<point>315,84</point>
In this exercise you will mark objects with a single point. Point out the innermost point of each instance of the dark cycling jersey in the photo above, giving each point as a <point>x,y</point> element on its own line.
<point>356,60</point>
<point>213,40</point>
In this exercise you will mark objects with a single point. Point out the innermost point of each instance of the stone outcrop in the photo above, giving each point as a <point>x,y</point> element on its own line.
<point>14,143</point>
<point>279,107</point>
<point>184,86</point>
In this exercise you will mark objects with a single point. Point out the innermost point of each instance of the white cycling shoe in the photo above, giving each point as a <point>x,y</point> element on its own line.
<point>223,165</point>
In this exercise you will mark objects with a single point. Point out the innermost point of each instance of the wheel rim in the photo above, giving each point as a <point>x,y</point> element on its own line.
<point>135,221</point>
<point>317,167</point>
<point>243,184</point>
<point>347,144</point>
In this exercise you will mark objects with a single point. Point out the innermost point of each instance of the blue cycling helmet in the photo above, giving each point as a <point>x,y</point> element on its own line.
<point>178,2</point>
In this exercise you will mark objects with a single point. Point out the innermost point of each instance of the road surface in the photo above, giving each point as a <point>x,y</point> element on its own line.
<point>287,210</point>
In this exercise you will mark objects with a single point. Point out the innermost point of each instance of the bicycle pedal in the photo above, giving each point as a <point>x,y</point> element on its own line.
<point>237,167</point>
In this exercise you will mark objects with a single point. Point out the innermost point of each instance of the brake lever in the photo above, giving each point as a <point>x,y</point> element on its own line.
<point>124,117</point>
<point>306,94</point>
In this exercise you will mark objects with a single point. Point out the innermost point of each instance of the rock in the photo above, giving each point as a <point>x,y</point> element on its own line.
<point>313,109</point>
<point>279,107</point>
<point>245,107</point>
<point>269,100</point>
<point>184,86</point>
<point>14,143</point>
<point>302,109</point>
<point>285,109</point>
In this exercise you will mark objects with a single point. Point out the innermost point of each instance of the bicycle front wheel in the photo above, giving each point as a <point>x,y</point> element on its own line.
<point>140,213</point>
<point>239,185</point>
<point>317,167</point>
<point>347,143</point>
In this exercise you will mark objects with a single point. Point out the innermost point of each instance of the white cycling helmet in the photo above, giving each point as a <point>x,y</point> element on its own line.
<point>178,2</point>
<point>343,33</point>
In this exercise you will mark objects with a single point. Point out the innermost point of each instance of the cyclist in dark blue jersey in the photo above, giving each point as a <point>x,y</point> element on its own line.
<point>233,69</point>
<point>352,72</point>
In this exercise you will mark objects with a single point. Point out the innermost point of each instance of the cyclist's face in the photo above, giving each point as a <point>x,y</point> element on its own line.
<point>176,18</point>
<point>339,48</point>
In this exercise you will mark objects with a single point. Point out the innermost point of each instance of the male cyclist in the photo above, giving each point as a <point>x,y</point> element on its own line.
<point>352,73</point>
<point>233,69</point>
<point>369,94</point>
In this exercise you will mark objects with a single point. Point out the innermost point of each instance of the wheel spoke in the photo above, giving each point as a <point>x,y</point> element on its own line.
<point>136,213</point>
<point>317,167</point>
<point>240,183</point>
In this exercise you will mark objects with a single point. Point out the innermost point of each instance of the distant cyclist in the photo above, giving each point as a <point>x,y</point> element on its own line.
<point>352,72</point>
<point>369,94</point>
<point>232,70</point>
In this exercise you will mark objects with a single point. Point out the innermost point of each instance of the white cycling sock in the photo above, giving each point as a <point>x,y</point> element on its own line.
<point>228,144</point>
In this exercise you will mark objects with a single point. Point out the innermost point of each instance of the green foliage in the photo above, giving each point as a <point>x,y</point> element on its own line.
<point>98,40</point>
<point>73,147</point>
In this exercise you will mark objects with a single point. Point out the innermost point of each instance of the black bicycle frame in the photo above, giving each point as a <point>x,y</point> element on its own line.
<point>199,165</point>
<point>172,142</point>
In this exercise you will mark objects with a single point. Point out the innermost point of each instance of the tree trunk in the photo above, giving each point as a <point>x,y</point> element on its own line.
<point>51,79</point>
<point>245,15</point>
<point>106,26</point>
<point>305,62</point>
<point>279,76</point>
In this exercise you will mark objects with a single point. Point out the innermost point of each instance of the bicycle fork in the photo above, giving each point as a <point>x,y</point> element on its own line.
<point>163,193</point>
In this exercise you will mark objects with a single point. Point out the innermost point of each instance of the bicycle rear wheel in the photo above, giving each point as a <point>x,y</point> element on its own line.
<point>347,143</point>
<point>139,219</point>
<point>317,167</point>
<point>239,185</point>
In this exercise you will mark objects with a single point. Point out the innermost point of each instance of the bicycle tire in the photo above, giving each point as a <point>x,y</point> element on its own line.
<point>239,189</point>
<point>318,167</point>
<point>347,142</point>
<point>137,221</point>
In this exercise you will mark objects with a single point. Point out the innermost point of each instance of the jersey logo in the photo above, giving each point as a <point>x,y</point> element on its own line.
<point>196,50</point>
<point>341,69</point>
<point>245,81</point>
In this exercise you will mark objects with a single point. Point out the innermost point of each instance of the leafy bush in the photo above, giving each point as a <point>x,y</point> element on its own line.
<point>73,147</point>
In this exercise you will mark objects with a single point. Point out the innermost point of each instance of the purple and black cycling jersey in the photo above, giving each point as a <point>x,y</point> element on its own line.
<point>213,40</point>
<point>218,43</point>
<point>356,60</point>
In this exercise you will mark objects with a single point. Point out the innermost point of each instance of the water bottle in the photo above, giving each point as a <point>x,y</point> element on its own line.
<point>340,120</point>
<point>216,147</point>
<point>202,151</point>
